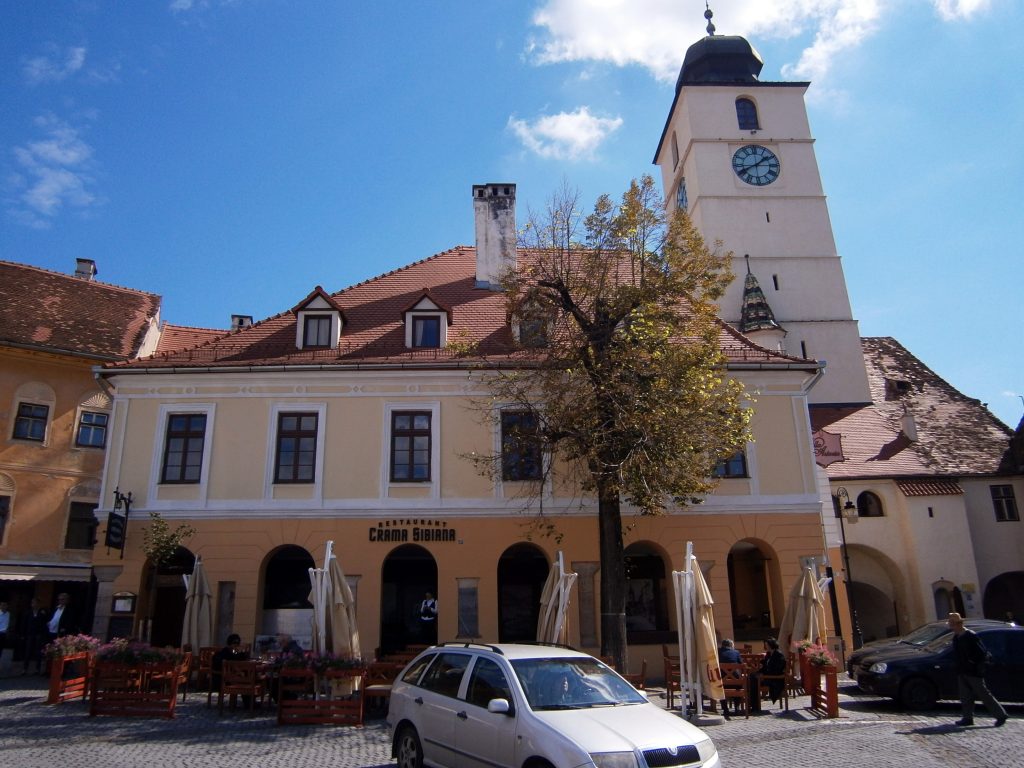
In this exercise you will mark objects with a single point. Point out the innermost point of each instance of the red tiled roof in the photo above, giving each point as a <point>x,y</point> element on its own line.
<point>174,338</point>
<point>61,313</point>
<point>930,487</point>
<point>956,435</point>
<point>374,332</point>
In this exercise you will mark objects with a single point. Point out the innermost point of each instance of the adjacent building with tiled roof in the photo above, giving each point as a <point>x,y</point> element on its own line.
<point>355,416</point>
<point>933,476</point>
<point>55,421</point>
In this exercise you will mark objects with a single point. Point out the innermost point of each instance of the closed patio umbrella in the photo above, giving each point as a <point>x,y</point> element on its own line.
<point>552,626</point>
<point>197,628</point>
<point>341,610</point>
<point>805,613</point>
<point>698,647</point>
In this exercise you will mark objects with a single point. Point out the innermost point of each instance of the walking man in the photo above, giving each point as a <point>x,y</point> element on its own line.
<point>970,657</point>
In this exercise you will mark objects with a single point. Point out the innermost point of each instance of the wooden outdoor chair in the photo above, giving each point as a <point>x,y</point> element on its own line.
<point>204,671</point>
<point>788,685</point>
<point>240,678</point>
<point>638,679</point>
<point>736,681</point>
<point>380,676</point>
<point>672,680</point>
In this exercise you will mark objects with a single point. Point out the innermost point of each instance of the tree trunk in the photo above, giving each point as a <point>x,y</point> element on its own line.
<point>613,577</point>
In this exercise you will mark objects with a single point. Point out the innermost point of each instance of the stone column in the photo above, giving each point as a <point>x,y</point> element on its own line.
<point>588,612</point>
<point>105,576</point>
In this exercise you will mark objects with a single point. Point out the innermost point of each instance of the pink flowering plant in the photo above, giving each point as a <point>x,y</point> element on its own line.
<point>802,646</point>
<point>69,644</point>
<point>326,662</point>
<point>133,652</point>
<point>820,656</point>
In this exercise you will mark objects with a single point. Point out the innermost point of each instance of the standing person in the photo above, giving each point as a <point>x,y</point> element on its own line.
<point>970,658</point>
<point>34,627</point>
<point>428,619</point>
<point>5,625</point>
<point>63,620</point>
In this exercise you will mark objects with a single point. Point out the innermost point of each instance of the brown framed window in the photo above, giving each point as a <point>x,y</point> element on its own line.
<point>92,430</point>
<point>82,523</point>
<point>410,446</point>
<point>520,446</point>
<point>426,331</point>
<point>183,448</point>
<point>1005,503</point>
<point>30,423</point>
<point>295,460</point>
<point>734,466</point>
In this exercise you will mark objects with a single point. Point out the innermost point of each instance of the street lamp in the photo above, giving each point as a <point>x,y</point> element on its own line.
<point>848,512</point>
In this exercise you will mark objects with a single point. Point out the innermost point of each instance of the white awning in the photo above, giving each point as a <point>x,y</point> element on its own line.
<point>10,572</point>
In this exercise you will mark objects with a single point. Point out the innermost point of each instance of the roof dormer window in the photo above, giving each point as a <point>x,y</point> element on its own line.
<point>426,324</point>
<point>319,321</point>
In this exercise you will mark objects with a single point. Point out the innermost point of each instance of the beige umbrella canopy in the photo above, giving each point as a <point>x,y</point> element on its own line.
<point>805,613</point>
<point>334,627</point>
<point>197,629</point>
<point>698,647</point>
<point>552,626</point>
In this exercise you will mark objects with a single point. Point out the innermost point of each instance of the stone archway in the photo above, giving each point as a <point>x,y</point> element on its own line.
<point>286,588</point>
<point>1004,597</point>
<point>407,573</point>
<point>522,570</point>
<point>754,590</point>
<point>166,613</point>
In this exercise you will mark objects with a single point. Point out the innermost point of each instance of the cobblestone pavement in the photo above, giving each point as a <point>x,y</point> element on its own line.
<point>870,732</point>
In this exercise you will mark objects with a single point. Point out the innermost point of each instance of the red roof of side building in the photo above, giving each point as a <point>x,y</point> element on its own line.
<point>50,311</point>
<point>956,436</point>
<point>374,331</point>
<point>174,338</point>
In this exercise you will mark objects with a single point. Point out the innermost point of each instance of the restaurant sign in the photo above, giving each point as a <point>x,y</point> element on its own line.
<point>419,530</point>
<point>828,447</point>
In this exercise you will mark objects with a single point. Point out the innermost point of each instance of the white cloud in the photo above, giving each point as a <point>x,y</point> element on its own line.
<point>565,136</point>
<point>656,33</point>
<point>55,66</point>
<point>53,172</point>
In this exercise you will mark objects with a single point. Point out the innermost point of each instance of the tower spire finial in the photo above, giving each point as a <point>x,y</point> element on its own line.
<point>707,15</point>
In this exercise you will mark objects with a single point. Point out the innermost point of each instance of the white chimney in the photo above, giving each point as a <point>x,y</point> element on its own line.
<point>85,269</point>
<point>494,213</point>
<point>908,425</point>
<point>238,322</point>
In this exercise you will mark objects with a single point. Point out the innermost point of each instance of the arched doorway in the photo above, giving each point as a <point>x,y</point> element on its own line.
<point>1004,597</point>
<point>522,570</point>
<point>750,592</point>
<point>876,611</point>
<point>167,598</point>
<point>408,572</point>
<point>947,599</point>
<point>646,595</point>
<point>286,587</point>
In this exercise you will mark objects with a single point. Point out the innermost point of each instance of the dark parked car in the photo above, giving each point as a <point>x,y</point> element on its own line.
<point>917,638</point>
<point>918,676</point>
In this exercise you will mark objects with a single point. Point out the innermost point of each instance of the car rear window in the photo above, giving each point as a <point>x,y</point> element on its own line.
<point>445,674</point>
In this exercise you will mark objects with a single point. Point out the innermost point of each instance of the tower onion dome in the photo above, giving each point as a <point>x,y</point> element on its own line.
<point>720,59</point>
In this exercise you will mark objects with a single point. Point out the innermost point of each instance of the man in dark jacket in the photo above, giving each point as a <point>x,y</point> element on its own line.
<point>970,657</point>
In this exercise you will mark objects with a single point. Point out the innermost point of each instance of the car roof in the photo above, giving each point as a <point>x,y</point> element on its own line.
<point>517,650</point>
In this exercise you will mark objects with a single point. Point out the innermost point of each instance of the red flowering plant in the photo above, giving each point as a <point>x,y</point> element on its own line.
<point>801,646</point>
<point>67,645</point>
<point>327,662</point>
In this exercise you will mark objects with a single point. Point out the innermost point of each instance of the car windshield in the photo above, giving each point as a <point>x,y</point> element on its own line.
<point>572,683</point>
<point>924,635</point>
<point>940,642</point>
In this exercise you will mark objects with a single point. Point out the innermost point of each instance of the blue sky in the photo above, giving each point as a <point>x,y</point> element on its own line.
<point>232,154</point>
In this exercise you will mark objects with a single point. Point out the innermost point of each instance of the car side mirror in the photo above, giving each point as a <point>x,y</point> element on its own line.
<point>499,707</point>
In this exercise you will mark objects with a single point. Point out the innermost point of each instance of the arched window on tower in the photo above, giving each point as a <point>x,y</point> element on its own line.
<point>869,505</point>
<point>746,114</point>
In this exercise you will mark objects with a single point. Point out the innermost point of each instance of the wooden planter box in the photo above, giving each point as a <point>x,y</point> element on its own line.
<point>69,677</point>
<point>323,710</point>
<point>134,690</point>
<point>824,699</point>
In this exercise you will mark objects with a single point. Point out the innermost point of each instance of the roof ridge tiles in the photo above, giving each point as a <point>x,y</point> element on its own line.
<point>403,268</point>
<point>91,281</point>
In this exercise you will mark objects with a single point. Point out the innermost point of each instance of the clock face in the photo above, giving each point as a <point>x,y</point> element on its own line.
<point>756,165</point>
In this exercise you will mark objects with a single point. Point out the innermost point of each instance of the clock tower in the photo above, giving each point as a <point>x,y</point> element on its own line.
<point>738,155</point>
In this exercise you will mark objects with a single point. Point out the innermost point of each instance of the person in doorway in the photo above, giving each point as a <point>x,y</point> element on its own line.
<point>428,619</point>
<point>970,658</point>
<point>34,629</point>
<point>62,622</point>
<point>6,630</point>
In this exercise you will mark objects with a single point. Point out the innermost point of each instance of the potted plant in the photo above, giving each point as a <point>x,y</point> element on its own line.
<point>69,659</point>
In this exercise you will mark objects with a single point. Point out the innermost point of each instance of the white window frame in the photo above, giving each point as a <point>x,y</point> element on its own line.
<point>276,409</point>
<point>164,413</point>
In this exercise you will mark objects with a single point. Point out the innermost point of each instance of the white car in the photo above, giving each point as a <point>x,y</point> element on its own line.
<point>467,705</point>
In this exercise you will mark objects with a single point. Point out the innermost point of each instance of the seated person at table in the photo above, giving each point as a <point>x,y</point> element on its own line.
<point>773,663</point>
<point>286,645</point>
<point>727,653</point>
<point>232,651</point>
